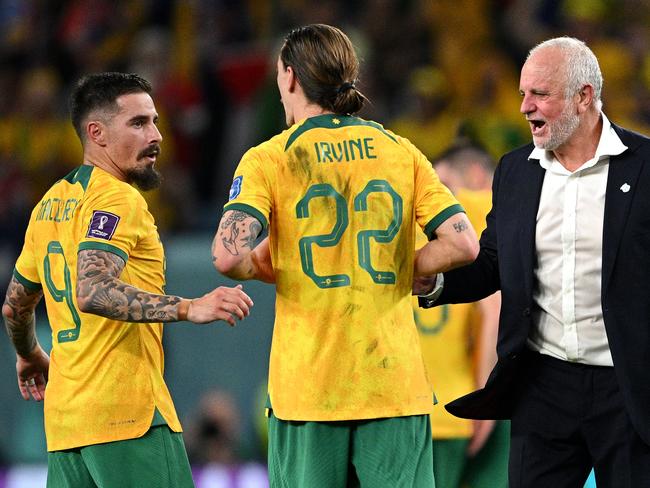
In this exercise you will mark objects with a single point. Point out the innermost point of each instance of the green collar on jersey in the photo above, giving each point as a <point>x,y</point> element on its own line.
<point>80,175</point>
<point>332,121</point>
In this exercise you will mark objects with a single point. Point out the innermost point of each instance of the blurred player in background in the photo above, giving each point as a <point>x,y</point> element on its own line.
<point>348,394</point>
<point>92,249</point>
<point>459,346</point>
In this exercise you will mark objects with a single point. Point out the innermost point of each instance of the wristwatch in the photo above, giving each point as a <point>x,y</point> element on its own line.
<point>429,300</point>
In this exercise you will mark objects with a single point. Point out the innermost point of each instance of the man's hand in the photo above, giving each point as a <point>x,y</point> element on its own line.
<point>31,372</point>
<point>482,431</point>
<point>424,284</point>
<point>223,303</point>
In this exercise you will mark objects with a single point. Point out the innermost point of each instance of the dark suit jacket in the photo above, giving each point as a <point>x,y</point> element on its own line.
<point>507,259</point>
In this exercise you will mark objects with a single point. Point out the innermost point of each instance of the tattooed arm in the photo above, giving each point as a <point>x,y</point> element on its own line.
<point>234,250</point>
<point>18,312</point>
<point>455,245</point>
<point>101,292</point>
<point>32,363</point>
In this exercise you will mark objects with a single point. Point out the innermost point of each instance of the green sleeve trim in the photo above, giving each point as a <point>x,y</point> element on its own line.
<point>331,121</point>
<point>435,222</point>
<point>100,246</point>
<point>252,211</point>
<point>31,285</point>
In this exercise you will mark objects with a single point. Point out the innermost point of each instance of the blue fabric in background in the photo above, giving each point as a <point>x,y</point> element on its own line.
<point>591,481</point>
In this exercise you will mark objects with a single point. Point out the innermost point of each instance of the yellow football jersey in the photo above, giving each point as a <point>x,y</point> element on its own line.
<point>342,196</point>
<point>446,336</point>
<point>106,376</point>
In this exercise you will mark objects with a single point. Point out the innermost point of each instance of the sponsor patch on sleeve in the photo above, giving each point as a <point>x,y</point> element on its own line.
<point>102,225</point>
<point>235,189</point>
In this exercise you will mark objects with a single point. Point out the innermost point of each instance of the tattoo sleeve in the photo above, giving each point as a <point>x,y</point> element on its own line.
<point>238,232</point>
<point>101,292</point>
<point>19,318</point>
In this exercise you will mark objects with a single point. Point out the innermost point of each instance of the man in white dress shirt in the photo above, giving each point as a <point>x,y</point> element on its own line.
<point>568,244</point>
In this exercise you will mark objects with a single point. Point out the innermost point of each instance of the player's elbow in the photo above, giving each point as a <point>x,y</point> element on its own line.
<point>222,266</point>
<point>226,264</point>
<point>7,312</point>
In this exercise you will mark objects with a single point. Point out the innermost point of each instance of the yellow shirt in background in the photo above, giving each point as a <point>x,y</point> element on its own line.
<point>446,335</point>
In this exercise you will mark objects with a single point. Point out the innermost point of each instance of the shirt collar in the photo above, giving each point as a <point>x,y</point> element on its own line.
<point>608,145</point>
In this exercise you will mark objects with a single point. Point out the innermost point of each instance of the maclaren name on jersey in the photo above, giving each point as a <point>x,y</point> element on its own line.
<point>56,209</point>
<point>345,151</point>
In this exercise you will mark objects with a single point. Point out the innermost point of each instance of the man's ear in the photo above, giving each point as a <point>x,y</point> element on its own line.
<point>586,94</point>
<point>96,132</point>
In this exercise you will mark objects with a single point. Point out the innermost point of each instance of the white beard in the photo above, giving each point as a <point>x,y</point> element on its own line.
<point>561,130</point>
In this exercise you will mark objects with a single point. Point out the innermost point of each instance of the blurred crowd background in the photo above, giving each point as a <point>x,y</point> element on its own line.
<point>434,70</point>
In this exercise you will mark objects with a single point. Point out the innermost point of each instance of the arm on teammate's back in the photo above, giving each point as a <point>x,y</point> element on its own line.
<point>32,363</point>
<point>101,292</point>
<point>455,245</point>
<point>234,252</point>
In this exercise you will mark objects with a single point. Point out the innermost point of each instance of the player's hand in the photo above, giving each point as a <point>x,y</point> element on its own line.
<point>32,374</point>
<point>482,430</point>
<point>424,284</point>
<point>223,303</point>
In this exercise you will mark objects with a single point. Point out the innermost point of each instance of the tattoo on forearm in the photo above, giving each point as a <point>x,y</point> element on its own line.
<point>19,316</point>
<point>460,226</point>
<point>99,286</point>
<point>239,230</point>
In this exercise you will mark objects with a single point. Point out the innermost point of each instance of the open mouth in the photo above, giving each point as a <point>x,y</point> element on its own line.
<point>151,155</point>
<point>536,126</point>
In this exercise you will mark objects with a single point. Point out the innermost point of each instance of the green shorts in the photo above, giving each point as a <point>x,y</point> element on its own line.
<point>489,469</point>
<point>449,461</point>
<point>391,452</point>
<point>155,460</point>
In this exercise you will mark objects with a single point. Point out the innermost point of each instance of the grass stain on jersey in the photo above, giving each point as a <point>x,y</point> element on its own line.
<point>299,163</point>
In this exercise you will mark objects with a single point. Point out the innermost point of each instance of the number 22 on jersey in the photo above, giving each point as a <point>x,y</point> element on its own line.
<point>383,236</point>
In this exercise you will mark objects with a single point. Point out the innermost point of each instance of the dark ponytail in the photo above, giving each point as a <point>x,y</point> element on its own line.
<point>326,66</point>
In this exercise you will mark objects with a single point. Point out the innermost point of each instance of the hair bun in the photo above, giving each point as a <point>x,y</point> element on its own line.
<point>345,86</point>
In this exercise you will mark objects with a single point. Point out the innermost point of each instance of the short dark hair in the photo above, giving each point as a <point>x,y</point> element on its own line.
<point>101,91</point>
<point>326,65</point>
<point>461,155</point>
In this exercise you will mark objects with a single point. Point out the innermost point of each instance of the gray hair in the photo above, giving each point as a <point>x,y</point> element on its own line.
<point>581,65</point>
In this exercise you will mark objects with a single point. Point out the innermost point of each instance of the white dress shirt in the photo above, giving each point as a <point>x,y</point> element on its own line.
<point>568,316</point>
